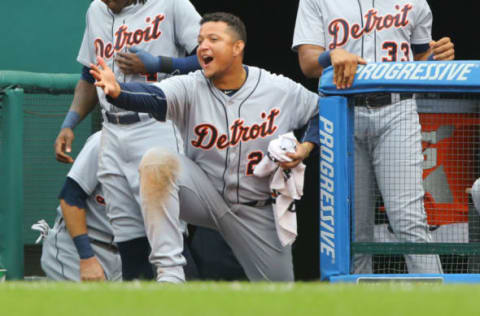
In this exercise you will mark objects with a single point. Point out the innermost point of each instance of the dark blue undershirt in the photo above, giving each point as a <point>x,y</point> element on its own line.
<point>73,194</point>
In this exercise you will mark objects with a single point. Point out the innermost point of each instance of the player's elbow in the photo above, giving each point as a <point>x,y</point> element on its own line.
<point>310,71</point>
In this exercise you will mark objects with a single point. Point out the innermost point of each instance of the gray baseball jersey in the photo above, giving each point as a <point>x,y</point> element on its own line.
<point>60,259</point>
<point>225,137</point>
<point>375,30</point>
<point>161,27</point>
<point>379,31</point>
<point>228,136</point>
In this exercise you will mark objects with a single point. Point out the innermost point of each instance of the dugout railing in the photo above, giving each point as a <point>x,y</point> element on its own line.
<point>447,95</point>
<point>32,108</point>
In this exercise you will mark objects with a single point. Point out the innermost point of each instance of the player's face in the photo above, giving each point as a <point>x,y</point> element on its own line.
<point>117,5</point>
<point>217,48</point>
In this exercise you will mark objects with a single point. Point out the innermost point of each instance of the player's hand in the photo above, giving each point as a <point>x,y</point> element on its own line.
<point>443,49</point>
<point>63,145</point>
<point>344,67</point>
<point>301,153</point>
<point>105,78</point>
<point>91,270</point>
<point>132,62</point>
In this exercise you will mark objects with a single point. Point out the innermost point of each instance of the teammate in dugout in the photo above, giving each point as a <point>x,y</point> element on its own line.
<point>227,114</point>
<point>387,131</point>
<point>162,27</point>
<point>80,245</point>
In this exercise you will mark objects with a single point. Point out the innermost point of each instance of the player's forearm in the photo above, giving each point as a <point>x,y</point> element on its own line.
<point>75,219</point>
<point>308,59</point>
<point>423,56</point>
<point>84,99</point>
<point>312,132</point>
<point>141,97</point>
<point>181,65</point>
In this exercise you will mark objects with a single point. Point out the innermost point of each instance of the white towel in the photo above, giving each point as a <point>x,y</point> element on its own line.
<point>286,185</point>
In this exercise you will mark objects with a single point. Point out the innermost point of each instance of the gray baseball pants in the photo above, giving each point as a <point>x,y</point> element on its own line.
<point>249,231</point>
<point>388,153</point>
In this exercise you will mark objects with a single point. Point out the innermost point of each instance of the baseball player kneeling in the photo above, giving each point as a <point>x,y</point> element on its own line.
<point>227,114</point>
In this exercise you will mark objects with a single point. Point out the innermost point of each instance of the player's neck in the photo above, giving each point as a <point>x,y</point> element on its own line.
<point>233,79</point>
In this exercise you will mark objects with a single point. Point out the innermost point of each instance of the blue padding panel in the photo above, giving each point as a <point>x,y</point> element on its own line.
<point>444,278</point>
<point>336,161</point>
<point>425,76</point>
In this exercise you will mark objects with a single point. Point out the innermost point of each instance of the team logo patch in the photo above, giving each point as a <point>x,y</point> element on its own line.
<point>100,200</point>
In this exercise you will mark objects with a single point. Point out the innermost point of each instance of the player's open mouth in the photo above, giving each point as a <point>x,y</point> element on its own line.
<point>207,60</point>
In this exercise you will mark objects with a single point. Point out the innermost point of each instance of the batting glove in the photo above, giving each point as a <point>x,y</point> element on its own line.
<point>43,228</point>
<point>151,63</point>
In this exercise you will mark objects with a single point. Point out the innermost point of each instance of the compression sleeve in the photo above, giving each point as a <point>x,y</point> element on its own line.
<point>312,133</point>
<point>181,65</point>
<point>419,48</point>
<point>141,97</point>
<point>73,194</point>
<point>86,75</point>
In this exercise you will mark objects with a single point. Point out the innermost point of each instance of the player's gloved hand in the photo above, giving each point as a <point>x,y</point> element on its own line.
<point>152,63</point>
<point>301,153</point>
<point>443,49</point>
<point>91,270</point>
<point>105,78</point>
<point>42,227</point>
<point>63,145</point>
<point>137,61</point>
<point>344,67</point>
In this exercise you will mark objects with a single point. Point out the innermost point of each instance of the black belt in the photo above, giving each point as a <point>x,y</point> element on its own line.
<point>375,100</point>
<point>259,203</point>
<point>123,119</point>
<point>104,245</point>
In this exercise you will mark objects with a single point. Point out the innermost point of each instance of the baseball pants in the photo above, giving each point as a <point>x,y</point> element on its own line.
<point>388,154</point>
<point>60,260</point>
<point>122,148</point>
<point>249,231</point>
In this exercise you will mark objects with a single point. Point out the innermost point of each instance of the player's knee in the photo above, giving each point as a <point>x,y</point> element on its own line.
<point>158,169</point>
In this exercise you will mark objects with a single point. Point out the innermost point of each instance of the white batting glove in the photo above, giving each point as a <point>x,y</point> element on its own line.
<point>43,228</point>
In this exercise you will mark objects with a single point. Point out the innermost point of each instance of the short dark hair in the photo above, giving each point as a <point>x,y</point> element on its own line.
<point>139,1</point>
<point>233,22</point>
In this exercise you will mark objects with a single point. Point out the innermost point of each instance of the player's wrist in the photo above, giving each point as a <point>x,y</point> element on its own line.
<point>116,91</point>
<point>84,249</point>
<point>325,59</point>
<point>307,147</point>
<point>71,120</point>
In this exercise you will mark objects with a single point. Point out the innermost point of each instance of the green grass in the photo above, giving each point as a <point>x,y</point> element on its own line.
<point>246,299</point>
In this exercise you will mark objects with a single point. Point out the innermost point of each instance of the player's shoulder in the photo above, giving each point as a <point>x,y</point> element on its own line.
<point>273,79</point>
<point>97,7</point>
<point>417,4</point>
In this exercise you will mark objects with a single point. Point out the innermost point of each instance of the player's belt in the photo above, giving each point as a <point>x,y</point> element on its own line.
<point>259,203</point>
<point>375,100</point>
<point>125,119</point>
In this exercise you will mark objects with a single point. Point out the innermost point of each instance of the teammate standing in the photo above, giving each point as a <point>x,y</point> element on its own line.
<point>346,33</point>
<point>227,114</point>
<point>162,27</point>
<point>80,244</point>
